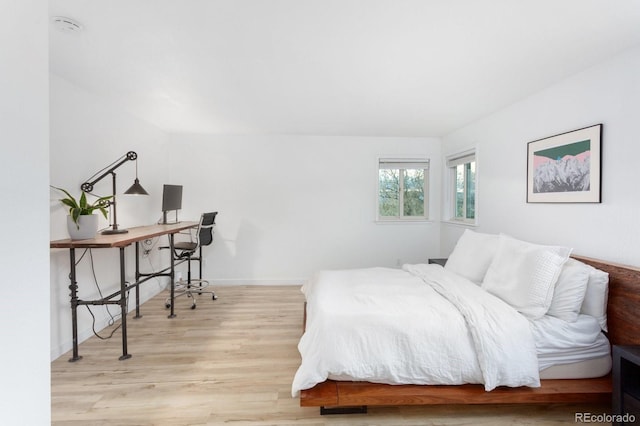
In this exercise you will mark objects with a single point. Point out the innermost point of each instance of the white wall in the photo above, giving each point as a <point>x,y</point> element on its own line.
<point>609,94</point>
<point>24,305</point>
<point>290,205</point>
<point>87,134</point>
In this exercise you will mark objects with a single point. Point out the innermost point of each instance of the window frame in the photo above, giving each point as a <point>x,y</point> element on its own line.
<point>451,163</point>
<point>403,164</point>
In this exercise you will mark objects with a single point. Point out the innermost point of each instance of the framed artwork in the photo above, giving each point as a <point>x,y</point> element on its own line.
<point>565,168</point>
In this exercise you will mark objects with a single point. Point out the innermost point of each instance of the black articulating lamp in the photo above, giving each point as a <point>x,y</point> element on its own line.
<point>135,189</point>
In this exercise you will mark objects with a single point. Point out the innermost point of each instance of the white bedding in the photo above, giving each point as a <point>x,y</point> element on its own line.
<point>421,325</point>
<point>562,342</point>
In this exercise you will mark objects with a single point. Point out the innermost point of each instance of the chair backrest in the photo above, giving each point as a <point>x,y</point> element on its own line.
<point>205,228</point>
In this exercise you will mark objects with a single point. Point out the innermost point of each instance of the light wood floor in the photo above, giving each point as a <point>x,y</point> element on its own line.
<point>230,361</point>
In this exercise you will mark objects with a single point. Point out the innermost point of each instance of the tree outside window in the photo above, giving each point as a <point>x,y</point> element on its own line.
<point>463,171</point>
<point>402,189</point>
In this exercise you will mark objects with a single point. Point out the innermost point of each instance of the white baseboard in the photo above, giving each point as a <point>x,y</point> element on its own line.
<point>231,282</point>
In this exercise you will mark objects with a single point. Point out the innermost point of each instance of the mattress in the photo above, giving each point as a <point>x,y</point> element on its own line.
<point>588,369</point>
<point>571,350</point>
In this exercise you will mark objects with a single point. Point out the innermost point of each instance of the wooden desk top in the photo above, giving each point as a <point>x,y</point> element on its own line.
<point>138,233</point>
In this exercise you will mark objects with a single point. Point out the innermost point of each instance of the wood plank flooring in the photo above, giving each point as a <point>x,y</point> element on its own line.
<point>230,361</point>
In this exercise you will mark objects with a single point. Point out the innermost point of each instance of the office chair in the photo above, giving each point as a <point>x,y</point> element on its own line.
<point>186,250</point>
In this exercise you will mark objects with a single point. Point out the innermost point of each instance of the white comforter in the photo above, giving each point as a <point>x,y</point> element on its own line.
<point>419,325</point>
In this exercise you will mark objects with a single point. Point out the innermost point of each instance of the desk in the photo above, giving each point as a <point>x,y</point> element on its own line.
<point>120,241</point>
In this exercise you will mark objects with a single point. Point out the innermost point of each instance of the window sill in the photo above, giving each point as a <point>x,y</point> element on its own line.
<point>402,221</point>
<point>460,223</point>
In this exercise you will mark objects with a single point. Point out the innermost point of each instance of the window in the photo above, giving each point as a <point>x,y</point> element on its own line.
<point>403,189</point>
<point>463,177</point>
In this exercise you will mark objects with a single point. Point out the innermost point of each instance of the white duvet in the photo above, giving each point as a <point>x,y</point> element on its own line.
<point>420,325</point>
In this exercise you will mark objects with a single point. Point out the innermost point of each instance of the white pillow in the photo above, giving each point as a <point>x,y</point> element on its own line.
<point>524,274</point>
<point>472,255</point>
<point>569,291</point>
<point>595,299</point>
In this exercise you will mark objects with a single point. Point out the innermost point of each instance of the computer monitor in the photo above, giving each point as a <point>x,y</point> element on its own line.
<point>171,200</point>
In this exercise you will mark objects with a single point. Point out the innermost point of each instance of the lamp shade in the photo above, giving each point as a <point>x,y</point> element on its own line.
<point>136,189</point>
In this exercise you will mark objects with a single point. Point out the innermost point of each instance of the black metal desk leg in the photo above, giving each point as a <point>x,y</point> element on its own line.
<point>137,281</point>
<point>172,276</point>
<point>74,304</point>
<point>200,263</point>
<point>123,306</point>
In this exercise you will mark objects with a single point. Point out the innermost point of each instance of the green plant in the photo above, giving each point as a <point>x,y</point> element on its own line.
<point>83,207</point>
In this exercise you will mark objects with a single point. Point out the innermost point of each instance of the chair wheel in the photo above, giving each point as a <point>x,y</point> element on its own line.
<point>167,305</point>
<point>213,297</point>
<point>193,306</point>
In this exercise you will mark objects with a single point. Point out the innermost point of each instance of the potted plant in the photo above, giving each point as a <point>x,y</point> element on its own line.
<point>81,222</point>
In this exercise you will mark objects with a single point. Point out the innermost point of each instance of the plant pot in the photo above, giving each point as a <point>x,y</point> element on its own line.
<point>86,228</point>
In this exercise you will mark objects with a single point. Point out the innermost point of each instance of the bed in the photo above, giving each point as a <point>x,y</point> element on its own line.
<point>581,376</point>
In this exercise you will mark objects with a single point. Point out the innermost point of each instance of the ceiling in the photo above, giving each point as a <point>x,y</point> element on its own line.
<point>331,67</point>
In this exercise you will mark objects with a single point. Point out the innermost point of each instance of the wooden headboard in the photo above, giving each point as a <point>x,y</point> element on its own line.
<point>623,309</point>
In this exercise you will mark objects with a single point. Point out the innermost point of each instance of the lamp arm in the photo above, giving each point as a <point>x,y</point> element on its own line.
<point>129,156</point>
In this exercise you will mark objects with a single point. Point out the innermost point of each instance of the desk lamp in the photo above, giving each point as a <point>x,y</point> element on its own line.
<point>135,189</point>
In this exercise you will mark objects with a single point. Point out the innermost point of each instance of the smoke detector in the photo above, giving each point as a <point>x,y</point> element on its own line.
<point>66,25</point>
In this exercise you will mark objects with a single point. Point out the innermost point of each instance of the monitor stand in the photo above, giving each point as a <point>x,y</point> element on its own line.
<point>164,218</point>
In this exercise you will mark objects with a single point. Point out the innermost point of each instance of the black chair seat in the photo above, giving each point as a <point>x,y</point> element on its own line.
<point>185,245</point>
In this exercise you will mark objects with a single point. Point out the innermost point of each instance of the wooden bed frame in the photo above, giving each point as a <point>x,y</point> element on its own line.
<point>624,329</point>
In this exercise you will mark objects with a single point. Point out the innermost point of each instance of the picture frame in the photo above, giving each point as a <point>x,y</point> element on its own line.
<point>566,168</point>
